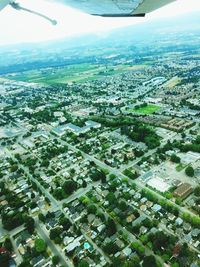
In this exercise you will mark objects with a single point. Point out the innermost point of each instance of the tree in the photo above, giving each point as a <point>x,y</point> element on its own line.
<point>8,245</point>
<point>197,141</point>
<point>84,184</point>
<point>111,198</point>
<point>58,193</point>
<point>111,227</point>
<point>123,205</point>
<point>138,153</point>
<point>197,191</point>
<point>65,223</point>
<point>178,201</point>
<point>161,240</point>
<point>139,248</point>
<point>14,168</point>
<point>25,263</point>
<point>175,158</point>
<point>29,224</point>
<point>98,175</point>
<point>4,260</point>
<point>55,232</point>
<point>69,187</point>
<point>83,263</point>
<point>41,217</point>
<point>111,248</point>
<point>11,221</point>
<point>135,262</point>
<point>40,245</point>
<point>55,260</point>
<point>189,171</point>
<point>130,174</point>
<point>92,209</point>
<point>112,176</point>
<point>149,261</point>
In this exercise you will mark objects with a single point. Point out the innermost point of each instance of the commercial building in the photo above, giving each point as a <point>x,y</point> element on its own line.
<point>183,190</point>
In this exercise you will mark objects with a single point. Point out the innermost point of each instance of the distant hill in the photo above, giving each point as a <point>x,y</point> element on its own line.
<point>144,32</point>
<point>147,31</point>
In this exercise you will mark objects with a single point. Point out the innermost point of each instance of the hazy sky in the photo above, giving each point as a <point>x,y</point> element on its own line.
<point>18,26</point>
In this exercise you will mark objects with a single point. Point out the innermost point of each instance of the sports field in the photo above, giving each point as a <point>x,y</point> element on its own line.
<point>149,109</point>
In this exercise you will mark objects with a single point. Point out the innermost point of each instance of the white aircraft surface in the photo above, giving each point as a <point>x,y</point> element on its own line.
<point>105,8</point>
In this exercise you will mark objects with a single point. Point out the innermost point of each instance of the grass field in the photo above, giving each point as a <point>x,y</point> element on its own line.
<point>172,82</point>
<point>72,73</point>
<point>149,109</point>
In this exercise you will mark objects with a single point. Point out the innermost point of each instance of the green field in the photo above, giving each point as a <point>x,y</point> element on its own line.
<point>72,73</point>
<point>149,109</point>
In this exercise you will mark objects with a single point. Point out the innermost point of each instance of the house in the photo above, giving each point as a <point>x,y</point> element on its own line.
<point>127,251</point>
<point>187,227</point>
<point>143,207</point>
<point>179,221</point>
<point>119,243</point>
<point>130,218</point>
<point>195,232</point>
<point>139,220</point>
<point>156,208</point>
<point>143,230</point>
<point>171,216</point>
<point>188,238</point>
<point>37,260</point>
<point>74,244</point>
<point>68,239</point>
<point>101,228</point>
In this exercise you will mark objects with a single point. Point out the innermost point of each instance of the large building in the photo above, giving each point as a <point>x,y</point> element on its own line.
<point>183,190</point>
<point>158,184</point>
<point>61,130</point>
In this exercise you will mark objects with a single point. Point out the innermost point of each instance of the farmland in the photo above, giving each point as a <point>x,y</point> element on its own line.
<point>72,73</point>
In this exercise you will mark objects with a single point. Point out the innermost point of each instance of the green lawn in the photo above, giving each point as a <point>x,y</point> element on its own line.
<point>180,167</point>
<point>149,109</point>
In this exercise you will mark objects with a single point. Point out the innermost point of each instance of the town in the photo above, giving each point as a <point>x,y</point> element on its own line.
<point>100,162</point>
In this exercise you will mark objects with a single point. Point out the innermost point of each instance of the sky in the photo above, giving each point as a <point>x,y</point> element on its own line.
<point>18,26</point>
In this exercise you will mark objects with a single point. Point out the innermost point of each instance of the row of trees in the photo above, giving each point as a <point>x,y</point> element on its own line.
<point>194,146</point>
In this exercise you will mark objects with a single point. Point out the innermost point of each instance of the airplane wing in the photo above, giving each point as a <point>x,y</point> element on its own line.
<point>116,8</point>
<point>4,3</point>
<point>105,8</point>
